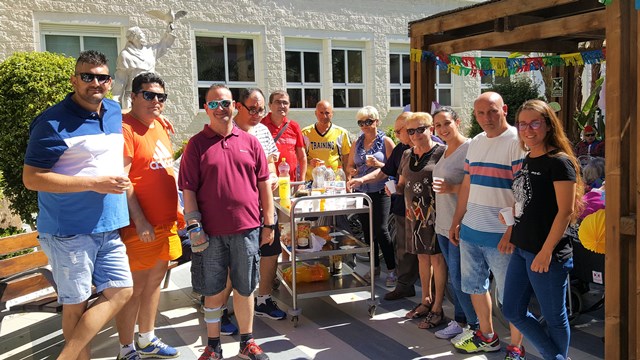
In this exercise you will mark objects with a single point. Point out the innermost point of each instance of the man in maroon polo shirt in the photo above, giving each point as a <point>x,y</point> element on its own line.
<point>289,141</point>
<point>224,179</point>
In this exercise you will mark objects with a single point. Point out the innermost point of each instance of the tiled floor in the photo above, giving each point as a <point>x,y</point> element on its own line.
<point>336,327</point>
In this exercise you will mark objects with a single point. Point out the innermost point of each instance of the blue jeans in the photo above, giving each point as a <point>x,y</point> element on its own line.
<point>464,312</point>
<point>550,289</point>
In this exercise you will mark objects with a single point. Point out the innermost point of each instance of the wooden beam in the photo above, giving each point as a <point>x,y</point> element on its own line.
<point>480,14</point>
<point>542,46</point>
<point>548,29</point>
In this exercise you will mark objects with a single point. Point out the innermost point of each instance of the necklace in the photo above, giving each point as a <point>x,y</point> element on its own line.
<point>419,162</point>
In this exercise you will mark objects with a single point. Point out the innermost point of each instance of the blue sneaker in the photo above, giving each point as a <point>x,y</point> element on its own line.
<point>269,309</point>
<point>157,349</point>
<point>226,326</point>
<point>131,355</point>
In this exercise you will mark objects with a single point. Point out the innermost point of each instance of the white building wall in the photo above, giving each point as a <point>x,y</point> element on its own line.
<point>373,24</point>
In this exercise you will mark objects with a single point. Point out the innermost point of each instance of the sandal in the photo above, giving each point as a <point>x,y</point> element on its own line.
<point>432,320</point>
<point>419,311</point>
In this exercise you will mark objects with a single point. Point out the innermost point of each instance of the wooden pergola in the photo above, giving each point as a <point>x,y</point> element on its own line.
<point>564,26</point>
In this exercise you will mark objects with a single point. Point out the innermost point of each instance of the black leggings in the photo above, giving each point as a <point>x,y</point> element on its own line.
<point>381,203</point>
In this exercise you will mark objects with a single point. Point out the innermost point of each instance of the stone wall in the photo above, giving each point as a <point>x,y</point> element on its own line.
<point>374,23</point>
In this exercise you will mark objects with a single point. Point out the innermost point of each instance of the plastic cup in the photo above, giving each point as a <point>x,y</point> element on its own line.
<point>437,183</point>
<point>507,214</point>
<point>391,185</point>
<point>359,202</point>
<point>369,157</point>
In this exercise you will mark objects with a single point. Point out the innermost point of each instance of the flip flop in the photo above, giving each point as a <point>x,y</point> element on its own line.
<point>432,320</point>
<point>418,311</point>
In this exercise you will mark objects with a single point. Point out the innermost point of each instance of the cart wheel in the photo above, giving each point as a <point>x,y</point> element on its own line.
<point>294,320</point>
<point>372,311</point>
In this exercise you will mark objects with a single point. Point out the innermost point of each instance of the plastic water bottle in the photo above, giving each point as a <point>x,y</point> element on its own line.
<point>340,185</point>
<point>317,188</point>
<point>329,185</point>
<point>284,184</point>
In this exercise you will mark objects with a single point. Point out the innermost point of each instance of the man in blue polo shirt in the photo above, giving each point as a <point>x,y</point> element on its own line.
<point>74,161</point>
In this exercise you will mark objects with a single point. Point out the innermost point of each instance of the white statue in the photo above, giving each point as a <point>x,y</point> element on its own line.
<point>139,57</point>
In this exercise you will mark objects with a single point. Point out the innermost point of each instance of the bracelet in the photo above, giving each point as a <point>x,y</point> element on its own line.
<point>195,229</point>
<point>193,226</point>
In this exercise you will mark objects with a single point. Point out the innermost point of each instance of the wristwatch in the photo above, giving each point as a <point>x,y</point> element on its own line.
<point>272,226</point>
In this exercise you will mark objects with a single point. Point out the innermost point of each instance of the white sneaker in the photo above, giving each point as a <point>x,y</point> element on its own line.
<point>466,333</point>
<point>392,279</point>
<point>450,331</point>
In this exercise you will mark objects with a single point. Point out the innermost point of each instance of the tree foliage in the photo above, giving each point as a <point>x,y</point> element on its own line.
<point>514,94</point>
<point>30,82</point>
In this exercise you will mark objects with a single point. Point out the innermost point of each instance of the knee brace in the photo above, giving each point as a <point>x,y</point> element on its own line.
<point>212,316</point>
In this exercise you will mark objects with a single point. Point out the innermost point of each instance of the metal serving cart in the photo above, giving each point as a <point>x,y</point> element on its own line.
<point>342,243</point>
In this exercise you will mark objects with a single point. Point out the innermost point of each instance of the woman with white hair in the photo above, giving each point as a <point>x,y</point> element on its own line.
<point>370,152</point>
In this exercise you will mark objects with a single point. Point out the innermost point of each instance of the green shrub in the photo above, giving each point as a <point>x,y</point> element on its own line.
<point>514,94</point>
<point>30,82</point>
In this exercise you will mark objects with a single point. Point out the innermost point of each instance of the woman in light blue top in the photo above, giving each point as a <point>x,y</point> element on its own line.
<point>370,152</point>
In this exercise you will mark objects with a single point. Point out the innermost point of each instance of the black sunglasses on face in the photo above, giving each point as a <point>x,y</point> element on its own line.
<point>367,122</point>
<point>254,111</point>
<point>150,96</point>
<point>419,130</point>
<point>88,77</point>
<point>589,135</point>
<point>214,104</point>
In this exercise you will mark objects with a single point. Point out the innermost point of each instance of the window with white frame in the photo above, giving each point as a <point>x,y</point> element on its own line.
<point>399,79</point>
<point>348,78</point>
<point>303,78</point>
<point>226,60</point>
<point>444,87</point>
<point>70,40</point>
<point>488,80</point>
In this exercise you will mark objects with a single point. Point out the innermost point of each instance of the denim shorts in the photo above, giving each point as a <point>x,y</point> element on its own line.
<point>237,254</point>
<point>475,263</point>
<point>78,261</point>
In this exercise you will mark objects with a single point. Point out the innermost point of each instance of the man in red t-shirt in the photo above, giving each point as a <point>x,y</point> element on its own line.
<point>289,141</point>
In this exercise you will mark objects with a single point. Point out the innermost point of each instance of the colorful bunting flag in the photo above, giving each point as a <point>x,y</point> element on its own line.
<point>482,66</point>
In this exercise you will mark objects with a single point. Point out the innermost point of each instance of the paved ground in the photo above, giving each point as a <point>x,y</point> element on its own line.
<point>336,327</point>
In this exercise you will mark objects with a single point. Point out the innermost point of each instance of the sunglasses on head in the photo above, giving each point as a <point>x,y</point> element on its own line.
<point>214,104</point>
<point>534,125</point>
<point>254,111</point>
<point>367,122</point>
<point>419,130</point>
<point>150,96</point>
<point>88,77</point>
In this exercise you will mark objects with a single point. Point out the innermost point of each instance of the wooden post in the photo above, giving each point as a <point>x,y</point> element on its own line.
<point>618,86</point>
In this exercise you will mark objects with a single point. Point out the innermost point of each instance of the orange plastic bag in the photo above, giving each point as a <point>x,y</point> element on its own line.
<point>307,273</point>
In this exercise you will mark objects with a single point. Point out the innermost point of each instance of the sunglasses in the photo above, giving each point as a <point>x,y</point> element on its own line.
<point>253,111</point>
<point>534,125</point>
<point>88,77</point>
<point>214,104</point>
<point>589,135</point>
<point>150,96</point>
<point>367,122</point>
<point>419,130</point>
